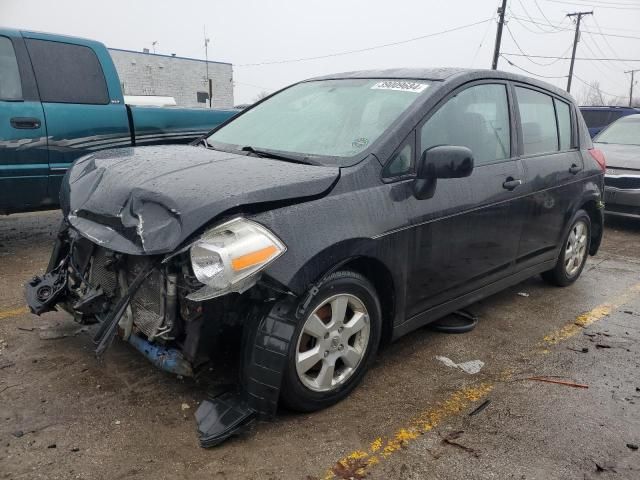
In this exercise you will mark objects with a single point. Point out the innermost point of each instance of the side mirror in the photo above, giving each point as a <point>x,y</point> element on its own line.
<point>445,161</point>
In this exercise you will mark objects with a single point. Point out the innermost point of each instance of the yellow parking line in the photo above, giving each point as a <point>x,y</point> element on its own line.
<point>592,316</point>
<point>13,313</point>
<point>359,462</point>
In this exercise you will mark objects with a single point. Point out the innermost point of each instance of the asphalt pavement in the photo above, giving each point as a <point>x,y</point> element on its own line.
<point>546,387</point>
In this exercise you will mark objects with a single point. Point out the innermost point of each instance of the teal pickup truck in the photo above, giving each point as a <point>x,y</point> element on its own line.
<point>60,99</point>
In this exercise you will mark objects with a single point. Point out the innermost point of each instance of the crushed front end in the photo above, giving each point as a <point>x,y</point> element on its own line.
<point>174,307</point>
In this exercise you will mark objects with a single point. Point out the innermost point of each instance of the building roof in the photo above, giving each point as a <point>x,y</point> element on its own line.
<point>168,56</point>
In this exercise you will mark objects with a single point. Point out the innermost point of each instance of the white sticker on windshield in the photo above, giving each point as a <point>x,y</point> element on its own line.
<point>401,85</point>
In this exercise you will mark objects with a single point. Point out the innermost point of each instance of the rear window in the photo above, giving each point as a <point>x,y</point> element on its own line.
<point>10,87</point>
<point>564,124</point>
<point>595,118</point>
<point>538,118</point>
<point>67,73</point>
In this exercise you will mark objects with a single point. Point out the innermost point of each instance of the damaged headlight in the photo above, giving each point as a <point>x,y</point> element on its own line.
<point>229,257</point>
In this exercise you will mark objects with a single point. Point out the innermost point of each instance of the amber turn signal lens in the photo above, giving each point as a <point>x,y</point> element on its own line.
<point>253,258</point>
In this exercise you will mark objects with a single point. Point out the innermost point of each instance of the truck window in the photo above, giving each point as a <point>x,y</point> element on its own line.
<point>67,73</point>
<point>10,87</point>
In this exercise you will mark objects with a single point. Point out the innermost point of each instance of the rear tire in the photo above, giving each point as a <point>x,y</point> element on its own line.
<point>334,344</point>
<point>574,252</point>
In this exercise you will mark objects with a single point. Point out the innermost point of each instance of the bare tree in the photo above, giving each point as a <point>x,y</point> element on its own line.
<point>593,95</point>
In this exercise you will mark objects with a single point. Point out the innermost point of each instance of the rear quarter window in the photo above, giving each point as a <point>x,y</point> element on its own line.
<point>563,114</point>
<point>67,73</point>
<point>10,86</point>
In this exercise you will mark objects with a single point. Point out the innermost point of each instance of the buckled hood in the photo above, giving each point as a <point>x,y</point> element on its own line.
<point>148,200</point>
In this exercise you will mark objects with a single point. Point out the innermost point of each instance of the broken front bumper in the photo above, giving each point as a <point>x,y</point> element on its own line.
<point>144,300</point>
<point>134,296</point>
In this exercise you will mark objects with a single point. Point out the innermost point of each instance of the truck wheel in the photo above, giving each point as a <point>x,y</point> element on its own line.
<point>334,343</point>
<point>574,252</point>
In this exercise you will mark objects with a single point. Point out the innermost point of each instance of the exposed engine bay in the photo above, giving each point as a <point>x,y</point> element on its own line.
<point>148,302</point>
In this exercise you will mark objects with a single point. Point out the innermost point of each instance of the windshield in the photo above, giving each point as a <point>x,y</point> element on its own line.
<point>336,118</point>
<point>625,131</point>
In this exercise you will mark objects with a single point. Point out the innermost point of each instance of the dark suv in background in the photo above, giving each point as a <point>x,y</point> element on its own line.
<point>598,118</point>
<point>336,214</point>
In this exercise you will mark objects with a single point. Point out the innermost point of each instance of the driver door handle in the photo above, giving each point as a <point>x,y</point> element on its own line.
<point>24,123</point>
<point>510,183</point>
<point>575,169</point>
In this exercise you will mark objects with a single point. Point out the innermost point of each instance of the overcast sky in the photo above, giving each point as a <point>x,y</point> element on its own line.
<point>254,31</point>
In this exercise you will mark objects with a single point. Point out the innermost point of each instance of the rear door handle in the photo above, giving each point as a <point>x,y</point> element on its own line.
<point>510,183</point>
<point>24,123</point>
<point>575,169</point>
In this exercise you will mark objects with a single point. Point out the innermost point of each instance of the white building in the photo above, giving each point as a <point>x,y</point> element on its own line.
<point>185,79</point>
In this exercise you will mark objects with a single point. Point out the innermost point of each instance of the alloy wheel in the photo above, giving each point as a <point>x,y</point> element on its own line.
<point>332,343</point>
<point>576,248</point>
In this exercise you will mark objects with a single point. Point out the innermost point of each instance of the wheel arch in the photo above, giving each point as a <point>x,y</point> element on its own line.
<point>596,215</point>
<point>367,263</point>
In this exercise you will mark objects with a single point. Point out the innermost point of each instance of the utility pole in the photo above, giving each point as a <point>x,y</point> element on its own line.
<point>576,39</point>
<point>632,72</point>
<point>206,61</point>
<point>496,49</point>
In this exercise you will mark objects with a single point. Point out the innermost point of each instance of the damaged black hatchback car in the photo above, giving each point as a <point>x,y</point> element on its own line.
<point>334,215</point>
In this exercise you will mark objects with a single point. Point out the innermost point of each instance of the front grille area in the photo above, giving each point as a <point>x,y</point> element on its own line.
<point>147,305</point>
<point>101,275</point>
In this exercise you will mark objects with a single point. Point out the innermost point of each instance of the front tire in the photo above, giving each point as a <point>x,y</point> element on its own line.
<point>334,344</point>
<point>574,253</point>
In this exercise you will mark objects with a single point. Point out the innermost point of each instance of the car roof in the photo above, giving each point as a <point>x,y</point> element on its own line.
<point>443,74</point>
<point>606,107</point>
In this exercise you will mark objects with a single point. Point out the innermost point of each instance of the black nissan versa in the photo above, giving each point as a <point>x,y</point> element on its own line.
<point>336,214</point>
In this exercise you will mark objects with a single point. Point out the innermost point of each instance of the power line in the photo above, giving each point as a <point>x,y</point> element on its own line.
<point>526,12</point>
<point>589,85</point>
<point>527,71</point>
<point>606,40</point>
<point>475,55</point>
<point>557,59</point>
<point>524,25</point>
<point>588,31</point>
<point>542,12</point>
<point>366,49</point>
<point>577,58</point>
<point>595,4</point>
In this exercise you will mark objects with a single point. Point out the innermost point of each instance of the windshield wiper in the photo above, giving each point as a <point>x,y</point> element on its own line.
<point>278,156</point>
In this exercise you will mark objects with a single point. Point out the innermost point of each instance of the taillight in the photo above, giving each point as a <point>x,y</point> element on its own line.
<point>598,156</point>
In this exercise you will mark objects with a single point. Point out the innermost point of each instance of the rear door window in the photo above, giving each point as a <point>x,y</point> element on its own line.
<point>67,73</point>
<point>10,86</point>
<point>564,123</point>
<point>476,118</point>
<point>538,119</point>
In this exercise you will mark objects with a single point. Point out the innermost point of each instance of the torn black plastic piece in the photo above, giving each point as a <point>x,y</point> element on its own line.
<point>266,344</point>
<point>222,417</point>
<point>266,350</point>
<point>43,292</point>
<point>460,321</point>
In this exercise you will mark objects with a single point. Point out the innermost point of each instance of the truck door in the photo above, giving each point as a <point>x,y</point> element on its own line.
<point>84,108</point>
<point>23,138</point>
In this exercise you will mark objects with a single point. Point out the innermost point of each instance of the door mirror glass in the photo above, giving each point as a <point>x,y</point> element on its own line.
<point>445,161</point>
